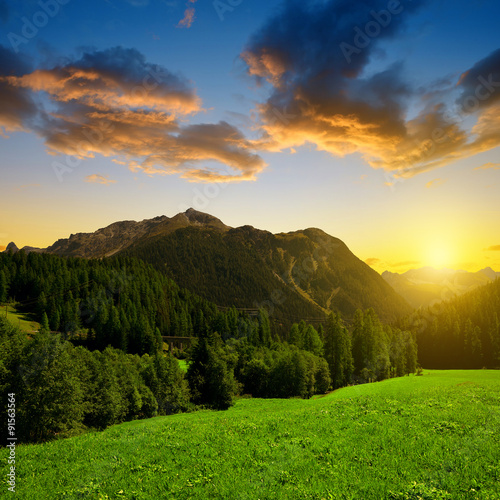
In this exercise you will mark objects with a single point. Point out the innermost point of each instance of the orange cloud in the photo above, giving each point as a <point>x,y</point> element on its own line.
<point>99,179</point>
<point>371,261</point>
<point>188,19</point>
<point>115,104</point>
<point>494,248</point>
<point>494,166</point>
<point>435,183</point>
<point>323,97</point>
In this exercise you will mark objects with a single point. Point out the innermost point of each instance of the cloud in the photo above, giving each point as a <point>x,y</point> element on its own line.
<point>372,260</point>
<point>17,106</point>
<point>99,179</point>
<point>115,103</point>
<point>435,183</point>
<point>188,19</point>
<point>494,166</point>
<point>494,248</point>
<point>480,85</point>
<point>320,93</point>
<point>4,11</point>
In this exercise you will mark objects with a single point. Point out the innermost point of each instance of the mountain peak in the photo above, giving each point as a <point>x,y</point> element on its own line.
<point>197,217</point>
<point>12,246</point>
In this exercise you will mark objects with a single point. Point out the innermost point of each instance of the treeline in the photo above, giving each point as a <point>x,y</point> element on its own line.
<point>461,333</point>
<point>61,389</point>
<point>119,302</point>
<point>224,268</point>
<point>310,362</point>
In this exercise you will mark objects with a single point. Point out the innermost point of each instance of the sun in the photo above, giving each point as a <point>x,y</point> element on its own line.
<point>439,255</point>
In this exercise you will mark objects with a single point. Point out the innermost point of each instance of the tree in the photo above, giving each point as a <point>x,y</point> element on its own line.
<point>4,287</point>
<point>44,324</point>
<point>312,341</point>
<point>338,352</point>
<point>51,393</point>
<point>210,381</point>
<point>295,336</point>
<point>264,328</point>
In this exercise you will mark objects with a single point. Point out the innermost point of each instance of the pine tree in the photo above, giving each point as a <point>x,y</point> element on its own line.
<point>312,341</point>
<point>338,352</point>
<point>264,328</point>
<point>4,288</point>
<point>210,381</point>
<point>44,324</point>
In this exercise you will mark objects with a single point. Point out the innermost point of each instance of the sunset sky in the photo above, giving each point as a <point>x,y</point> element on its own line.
<point>377,121</point>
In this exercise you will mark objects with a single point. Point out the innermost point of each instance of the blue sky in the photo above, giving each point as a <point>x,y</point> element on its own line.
<point>256,116</point>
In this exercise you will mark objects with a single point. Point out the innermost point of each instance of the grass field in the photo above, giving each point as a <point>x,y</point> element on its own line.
<point>431,437</point>
<point>19,319</point>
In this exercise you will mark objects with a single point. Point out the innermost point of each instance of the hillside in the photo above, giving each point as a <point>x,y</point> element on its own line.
<point>426,286</point>
<point>298,275</point>
<point>463,332</point>
<point>429,437</point>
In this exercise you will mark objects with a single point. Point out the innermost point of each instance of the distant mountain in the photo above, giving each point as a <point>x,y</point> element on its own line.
<point>424,286</point>
<point>490,273</point>
<point>116,237</point>
<point>302,274</point>
<point>12,247</point>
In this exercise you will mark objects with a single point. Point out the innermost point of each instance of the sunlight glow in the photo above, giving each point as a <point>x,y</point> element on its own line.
<point>439,255</point>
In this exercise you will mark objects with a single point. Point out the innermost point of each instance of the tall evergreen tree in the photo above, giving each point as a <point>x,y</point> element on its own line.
<point>338,352</point>
<point>4,288</point>
<point>210,381</point>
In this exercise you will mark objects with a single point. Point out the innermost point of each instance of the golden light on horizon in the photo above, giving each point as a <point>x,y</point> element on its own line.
<point>439,255</point>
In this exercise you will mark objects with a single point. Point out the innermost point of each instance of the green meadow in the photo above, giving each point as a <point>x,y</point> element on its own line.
<point>20,320</point>
<point>435,436</point>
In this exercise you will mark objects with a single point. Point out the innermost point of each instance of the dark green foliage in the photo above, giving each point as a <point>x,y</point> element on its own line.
<point>4,287</point>
<point>61,389</point>
<point>338,352</point>
<point>246,267</point>
<point>122,304</point>
<point>166,381</point>
<point>50,393</point>
<point>44,323</point>
<point>461,333</point>
<point>380,351</point>
<point>211,380</point>
<point>282,371</point>
<point>118,302</point>
<point>312,342</point>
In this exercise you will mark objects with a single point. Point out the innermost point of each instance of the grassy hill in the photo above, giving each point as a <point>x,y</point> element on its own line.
<point>21,320</point>
<point>429,437</point>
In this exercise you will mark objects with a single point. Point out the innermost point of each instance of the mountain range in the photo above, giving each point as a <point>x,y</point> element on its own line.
<point>301,274</point>
<point>425,286</point>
